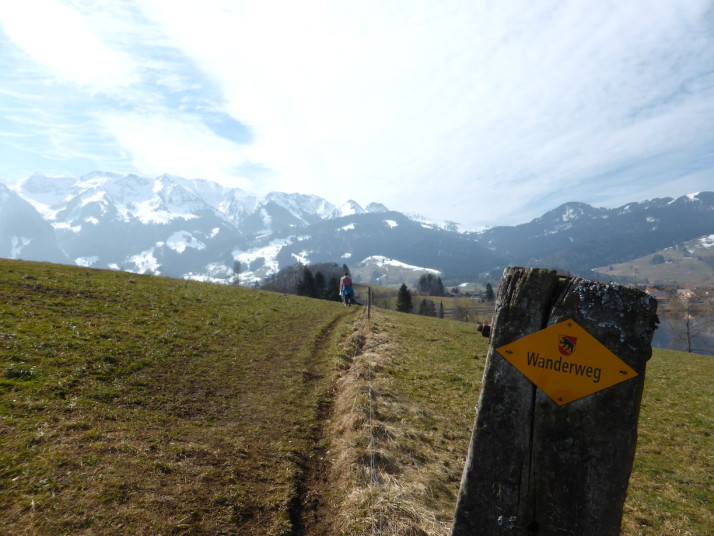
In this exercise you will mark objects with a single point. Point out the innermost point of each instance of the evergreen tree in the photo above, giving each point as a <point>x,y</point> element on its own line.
<point>490,296</point>
<point>430,285</point>
<point>422,307</point>
<point>332,292</point>
<point>427,308</point>
<point>404,299</point>
<point>438,288</point>
<point>319,285</point>
<point>306,286</point>
<point>289,278</point>
<point>423,284</point>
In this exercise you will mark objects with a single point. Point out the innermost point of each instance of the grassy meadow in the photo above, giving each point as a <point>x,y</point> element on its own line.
<point>143,405</point>
<point>386,297</point>
<point>150,406</point>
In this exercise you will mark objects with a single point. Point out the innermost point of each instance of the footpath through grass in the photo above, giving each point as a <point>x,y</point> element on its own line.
<point>143,405</point>
<point>149,406</point>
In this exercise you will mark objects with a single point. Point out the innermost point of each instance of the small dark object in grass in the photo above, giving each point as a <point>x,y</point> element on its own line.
<point>15,373</point>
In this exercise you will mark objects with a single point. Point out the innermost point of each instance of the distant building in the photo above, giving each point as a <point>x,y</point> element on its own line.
<point>686,294</point>
<point>659,295</point>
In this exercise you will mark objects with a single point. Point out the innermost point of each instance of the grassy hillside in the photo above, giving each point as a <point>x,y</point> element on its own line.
<point>386,297</point>
<point>691,263</point>
<point>142,405</point>
<point>424,382</point>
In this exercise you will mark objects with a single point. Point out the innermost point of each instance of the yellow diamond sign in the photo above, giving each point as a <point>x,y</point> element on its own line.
<point>566,362</point>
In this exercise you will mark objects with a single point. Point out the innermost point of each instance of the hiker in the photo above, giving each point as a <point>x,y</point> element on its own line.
<point>346,292</point>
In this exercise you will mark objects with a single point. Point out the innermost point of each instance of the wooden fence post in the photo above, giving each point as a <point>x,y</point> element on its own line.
<point>559,463</point>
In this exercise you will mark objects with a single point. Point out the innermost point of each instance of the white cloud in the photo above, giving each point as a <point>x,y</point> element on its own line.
<point>442,95</point>
<point>474,111</point>
<point>58,37</point>
<point>181,145</point>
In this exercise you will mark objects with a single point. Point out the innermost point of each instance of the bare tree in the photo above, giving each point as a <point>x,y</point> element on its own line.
<point>460,312</point>
<point>236,273</point>
<point>688,326</point>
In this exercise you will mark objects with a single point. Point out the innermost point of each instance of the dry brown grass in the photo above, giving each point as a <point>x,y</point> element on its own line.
<point>424,375</point>
<point>398,446</point>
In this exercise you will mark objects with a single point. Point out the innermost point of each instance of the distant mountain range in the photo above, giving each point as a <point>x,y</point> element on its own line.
<point>201,230</point>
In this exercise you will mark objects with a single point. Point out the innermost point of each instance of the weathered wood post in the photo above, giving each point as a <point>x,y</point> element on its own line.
<point>555,458</point>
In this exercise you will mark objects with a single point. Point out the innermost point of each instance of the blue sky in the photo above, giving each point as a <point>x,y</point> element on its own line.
<point>475,111</point>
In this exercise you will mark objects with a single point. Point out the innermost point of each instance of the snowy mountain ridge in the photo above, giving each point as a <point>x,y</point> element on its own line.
<point>164,198</point>
<point>198,229</point>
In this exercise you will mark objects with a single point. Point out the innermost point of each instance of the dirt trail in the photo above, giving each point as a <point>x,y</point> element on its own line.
<point>311,512</point>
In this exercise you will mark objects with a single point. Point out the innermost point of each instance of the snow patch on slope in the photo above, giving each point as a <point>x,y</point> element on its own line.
<point>181,240</point>
<point>148,212</point>
<point>380,261</point>
<point>86,262</point>
<point>145,263</point>
<point>268,254</point>
<point>66,226</point>
<point>17,244</point>
<point>706,241</point>
<point>302,257</point>
<point>216,272</point>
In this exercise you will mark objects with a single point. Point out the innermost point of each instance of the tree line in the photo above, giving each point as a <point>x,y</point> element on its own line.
<point>406,302</point>
<point>320,281</point>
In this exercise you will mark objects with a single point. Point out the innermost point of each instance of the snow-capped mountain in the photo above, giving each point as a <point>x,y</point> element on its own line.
<point>201,230</point>
<point>168,225</point>
<point>350,208</point>
<point>578,237</point>
<point>24,233</point>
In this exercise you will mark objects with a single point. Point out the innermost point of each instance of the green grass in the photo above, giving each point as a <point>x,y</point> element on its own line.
<point>672,486</point>
<point>425,392</point>
<point>386,298</point>
<point>143,405</point>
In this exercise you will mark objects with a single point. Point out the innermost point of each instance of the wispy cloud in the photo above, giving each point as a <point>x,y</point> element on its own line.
<point>166,143</point>
<point>479,112</point>
<point>59,38</point>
